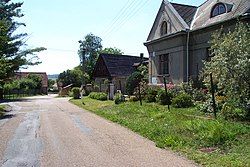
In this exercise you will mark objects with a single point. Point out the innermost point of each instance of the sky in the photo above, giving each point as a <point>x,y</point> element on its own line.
<point>58,25</point>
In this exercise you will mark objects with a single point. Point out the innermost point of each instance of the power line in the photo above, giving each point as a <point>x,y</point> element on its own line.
<point>128,17</point>
<point>120,15</point>
<point>115,18</point>
<point>133,7</point>
<point>126,12</point>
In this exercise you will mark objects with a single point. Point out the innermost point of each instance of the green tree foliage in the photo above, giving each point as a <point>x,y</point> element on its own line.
<point>31,82</point>
<point>133,82</point>
<point>143,69</point>
<point>76,92</point>
<point>230,65</point>
<point>182,100</point>
<point>36,79</point>
<point>88,51</point>
<point>27,84</point>
<point>13,50</point>
<point>110,50</point>
<point>75,77</point>
<point>51,82</point>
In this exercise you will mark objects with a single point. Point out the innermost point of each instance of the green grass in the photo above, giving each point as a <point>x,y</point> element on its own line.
<point>2,109</point>
<point>91,104</point>
<point>186,131</point>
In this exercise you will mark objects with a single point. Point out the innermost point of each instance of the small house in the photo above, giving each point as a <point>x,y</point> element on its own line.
<point>115,69</point>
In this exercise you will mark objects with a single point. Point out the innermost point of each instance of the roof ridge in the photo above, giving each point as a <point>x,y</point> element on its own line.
<point>117,55</point>
<point>184,5</point>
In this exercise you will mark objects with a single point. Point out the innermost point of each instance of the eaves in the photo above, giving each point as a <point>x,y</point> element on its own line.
<point>182,32</point>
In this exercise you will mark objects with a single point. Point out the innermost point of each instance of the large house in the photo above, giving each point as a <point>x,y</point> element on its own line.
<point>178,42</point>
<point>115,69</point>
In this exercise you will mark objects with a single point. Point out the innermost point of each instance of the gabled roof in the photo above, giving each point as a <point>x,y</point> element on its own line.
<point>179,14</point>
<point>194,18</point>
<point>118,65</point>
<point>187,12</point>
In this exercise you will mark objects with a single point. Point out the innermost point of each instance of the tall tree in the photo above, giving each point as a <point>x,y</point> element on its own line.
<point>110,50</point>
<point>231,64</point>
<point>13,50</point>
<point>88,52</point>
<point>74,77</point>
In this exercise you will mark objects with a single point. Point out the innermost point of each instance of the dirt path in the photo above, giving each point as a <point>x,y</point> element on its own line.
<point>50,131</point>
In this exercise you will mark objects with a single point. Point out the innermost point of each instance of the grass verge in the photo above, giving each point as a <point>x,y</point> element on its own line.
<point>209,142</point>
<point>2,109</point>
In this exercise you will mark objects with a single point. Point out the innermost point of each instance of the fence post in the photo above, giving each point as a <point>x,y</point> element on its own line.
<point>140,94</point>
<point>213,98</point>
<point>166,90</point>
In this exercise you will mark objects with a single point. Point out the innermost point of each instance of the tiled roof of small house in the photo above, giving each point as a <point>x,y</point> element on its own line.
<point>120,65</point>
<point>187,12</point>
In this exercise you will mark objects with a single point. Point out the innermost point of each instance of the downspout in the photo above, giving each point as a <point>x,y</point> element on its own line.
<point>188,36</point>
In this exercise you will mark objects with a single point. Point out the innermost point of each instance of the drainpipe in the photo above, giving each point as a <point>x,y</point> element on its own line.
<point>188,36</point>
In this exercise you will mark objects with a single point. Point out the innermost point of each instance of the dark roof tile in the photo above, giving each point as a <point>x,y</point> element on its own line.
<point>120,65</point>
<point>187,12</point>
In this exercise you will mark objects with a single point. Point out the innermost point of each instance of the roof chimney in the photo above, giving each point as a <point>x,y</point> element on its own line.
<point>141,55</point>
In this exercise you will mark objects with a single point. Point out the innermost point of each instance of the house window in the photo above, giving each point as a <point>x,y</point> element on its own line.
<point>218,9</point>
<point>164,28</point>
<point>164,64</point>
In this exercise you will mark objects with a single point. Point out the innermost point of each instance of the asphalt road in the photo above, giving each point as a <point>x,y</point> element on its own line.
<point>47,131</point>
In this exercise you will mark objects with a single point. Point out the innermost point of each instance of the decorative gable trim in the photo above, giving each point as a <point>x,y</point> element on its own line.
<point>168,10</point>
<point>179,18</point>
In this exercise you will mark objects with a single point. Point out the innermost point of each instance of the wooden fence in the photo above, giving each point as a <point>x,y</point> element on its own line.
<point>18,93</point>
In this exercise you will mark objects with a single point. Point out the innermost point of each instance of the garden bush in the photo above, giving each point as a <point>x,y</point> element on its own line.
<point>163,98</point>
<point>98,96</point>
<point>119,98</point>
<point>176,90</point>
<point>199,95</point>
<point>182,100</point>
<point>96,88</point>
<point>133,99</point>
<point>230,112</point>
<point>75,92</point>
<point>133,81</point>
<point>206,106</point>
<point>150,94</point>
<point>85,92</point>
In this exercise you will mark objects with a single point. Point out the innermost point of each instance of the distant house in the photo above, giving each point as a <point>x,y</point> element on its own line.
<point>43,75</point>
<point>178,42</point>
<point>116,69</point>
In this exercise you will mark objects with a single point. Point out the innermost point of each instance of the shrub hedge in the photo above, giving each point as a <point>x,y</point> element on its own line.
<point>75,92</point>
<point>98,96</point>
<point>164,98</point>
<point>182,100</point>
